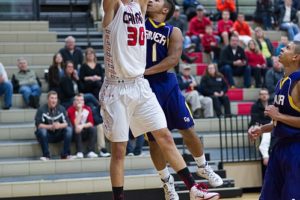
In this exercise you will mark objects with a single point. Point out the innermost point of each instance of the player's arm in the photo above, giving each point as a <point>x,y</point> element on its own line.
<point>174,54</point>
<point>143,4</point>
<point>256,131</point>
<point>110,7</point>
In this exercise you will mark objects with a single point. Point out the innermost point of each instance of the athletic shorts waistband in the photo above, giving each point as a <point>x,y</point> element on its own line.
<point>123,80</point>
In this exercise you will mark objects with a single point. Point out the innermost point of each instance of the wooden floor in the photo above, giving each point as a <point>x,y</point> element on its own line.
<point>250,196</point>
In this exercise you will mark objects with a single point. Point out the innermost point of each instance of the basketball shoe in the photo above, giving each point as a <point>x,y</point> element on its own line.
<point>169,189</point>
<point>199,192</point>
<point>207,172</point>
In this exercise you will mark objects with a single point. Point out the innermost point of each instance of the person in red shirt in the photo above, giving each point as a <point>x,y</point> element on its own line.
<point>225,27</point>
<point>229,5</point>
<point>256,61</point>
<point>242,29</point>
<point>197,27</point>
<point>210,44</point>
<point>81,118</point>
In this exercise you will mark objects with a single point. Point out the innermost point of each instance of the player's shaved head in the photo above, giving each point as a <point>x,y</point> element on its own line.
<point>171,6</point>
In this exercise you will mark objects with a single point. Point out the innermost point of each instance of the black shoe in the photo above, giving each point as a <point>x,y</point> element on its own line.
<point>6,107</point>
<point>197,113</point>
<point>31,101</point>
<point>36,102</point>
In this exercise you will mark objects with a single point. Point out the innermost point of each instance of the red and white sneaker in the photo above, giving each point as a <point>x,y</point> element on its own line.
<point>199,192</point>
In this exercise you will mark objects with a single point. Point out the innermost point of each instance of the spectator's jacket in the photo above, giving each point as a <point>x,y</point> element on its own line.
<point>210,84</point>
<point>206,40</point>
<point>226,5</point>
<point>294,17</point>
<point>86,115</point>
<point>257,114</point>
<point>271,80</point>
<point>76,57</point>
<point>255,59</point>
<point>184,82</point>
<point>227,57</point>
<point>242,28</point>
<point>197,27</point>
<point>54,77</point>
<point>269,44</point>
<point>224,26</point>
<point>67,88</point>
<point>45,115</point>
<point>24,78</point>
<point>179,23</point>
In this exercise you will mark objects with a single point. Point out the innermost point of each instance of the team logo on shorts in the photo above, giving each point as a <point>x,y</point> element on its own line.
<point>186,119</point>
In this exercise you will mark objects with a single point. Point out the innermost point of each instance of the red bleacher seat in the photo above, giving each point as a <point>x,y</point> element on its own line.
<point>244,108</point>
<point>198,55</point>
<point>201,67</point>
<point>235,94</point>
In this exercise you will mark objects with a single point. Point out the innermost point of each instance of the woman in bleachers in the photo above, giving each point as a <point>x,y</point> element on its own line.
<point>91,73</point>
<point>55,72</point>
<point>256,61</point>
<point>213,85</point>
<point>265,46</point>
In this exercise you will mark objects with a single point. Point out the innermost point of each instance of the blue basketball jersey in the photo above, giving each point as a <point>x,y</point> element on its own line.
<point>283,100</point>
<point>158,35</point>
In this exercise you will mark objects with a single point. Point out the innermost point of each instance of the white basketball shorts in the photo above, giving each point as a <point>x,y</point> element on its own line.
<point>129,103</point>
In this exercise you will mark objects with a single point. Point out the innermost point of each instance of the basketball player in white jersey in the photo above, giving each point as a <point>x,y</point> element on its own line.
<point>126,98</point>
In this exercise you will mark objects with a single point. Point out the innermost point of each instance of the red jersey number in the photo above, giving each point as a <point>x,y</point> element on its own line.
<point>136,35</point>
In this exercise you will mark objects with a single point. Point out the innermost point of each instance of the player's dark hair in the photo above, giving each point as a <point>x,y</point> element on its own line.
<point>171,6</point>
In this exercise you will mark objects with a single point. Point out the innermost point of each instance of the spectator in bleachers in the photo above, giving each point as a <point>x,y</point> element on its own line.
<point>228,5</point>
<point>188,85</point>
<point>189,8</point>
<point>259,118</point>
<point>81,118</point>
<point>288,19</point>
<point>214,86</point>
<point>210,44</point>
<point>283,43</point>
<point>26,82</point>
<point>225,27</point>
<point>242,29</point>
<point>233,62</point>
<point>72,53</point>
<point>91,73</point>
<point>197,27</point>
<point>263,13</point>
<point>55,72</point>
<point>70,86</point>
<point>6,88</point>
<point>265,45</point>
<point>178,20</point>
<point>273,75</point>
<point>256,61</point>
<point>52,126</point>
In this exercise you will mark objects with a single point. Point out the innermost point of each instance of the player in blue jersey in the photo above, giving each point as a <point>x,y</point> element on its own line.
<point>164,46</point>
<point>282,179</point>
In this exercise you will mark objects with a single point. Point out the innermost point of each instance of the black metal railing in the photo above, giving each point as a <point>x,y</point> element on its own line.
<point>235,145</point>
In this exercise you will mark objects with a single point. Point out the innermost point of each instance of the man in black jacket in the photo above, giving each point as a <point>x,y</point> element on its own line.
<point>72,53</point>
<point>233,61</point>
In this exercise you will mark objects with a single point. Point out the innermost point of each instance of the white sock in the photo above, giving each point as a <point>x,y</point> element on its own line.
<point>164,174</point>
<point>201,161</point>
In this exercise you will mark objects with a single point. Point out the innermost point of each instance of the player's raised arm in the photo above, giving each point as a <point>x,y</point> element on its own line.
<point>110,7</point>
<point>174,54</point>
<point>143,4</point>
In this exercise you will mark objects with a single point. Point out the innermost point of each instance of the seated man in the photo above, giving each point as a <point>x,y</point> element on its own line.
<point>52,126</point>
<point>81,118</point>
<point>188,86</point>
<point>26,83</point>
<point>233,62</point>
<point>5,88</point>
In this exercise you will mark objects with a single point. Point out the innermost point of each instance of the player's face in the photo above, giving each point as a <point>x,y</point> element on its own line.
<point>287,53</point>
<point>52,101</point>
<point>155,6</point>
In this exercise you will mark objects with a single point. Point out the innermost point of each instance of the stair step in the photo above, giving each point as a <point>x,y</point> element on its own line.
<point>30,48</point>
<point>27,36</point>
<point>32,26</point>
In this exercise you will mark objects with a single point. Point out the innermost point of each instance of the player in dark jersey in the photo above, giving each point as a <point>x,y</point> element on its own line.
<point>282,179</point>
<point>164,46</point>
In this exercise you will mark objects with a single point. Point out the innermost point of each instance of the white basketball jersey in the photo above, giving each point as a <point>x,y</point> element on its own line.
<point>124,43</point>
